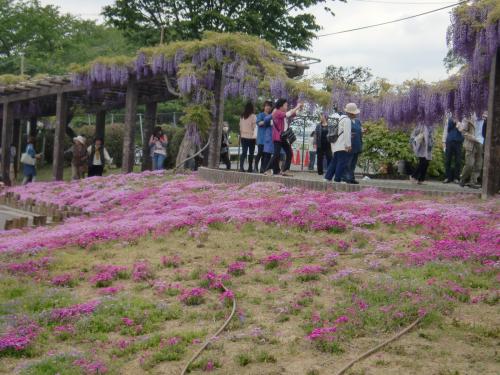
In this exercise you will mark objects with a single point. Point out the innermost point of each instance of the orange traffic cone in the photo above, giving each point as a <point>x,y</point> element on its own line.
<point>306,161</point>
<point>297,158</point>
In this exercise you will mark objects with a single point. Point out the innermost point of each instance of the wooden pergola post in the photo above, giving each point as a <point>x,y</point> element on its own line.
<point>16,141</point>
<point>61,119</point>
<point>129,128</point>
<point>216,128</point>
<point>100,124</point>
<point>7,128</point>
<point>33,121</point>
<point>491,167</point>
<point>149,125</point>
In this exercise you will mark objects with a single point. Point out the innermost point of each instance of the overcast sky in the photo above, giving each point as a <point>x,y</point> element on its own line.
<point>404,50</point>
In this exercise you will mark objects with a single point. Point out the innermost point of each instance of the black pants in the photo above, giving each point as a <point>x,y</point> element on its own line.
<point>225,159</point>
<point>96,170</point>
<point>320,154</point>
<point>453,152</point>
<point>421,170</point>
<point>266,157</point>
<point>274,162</point>
<point>248,147</point>
<point>259,157</point>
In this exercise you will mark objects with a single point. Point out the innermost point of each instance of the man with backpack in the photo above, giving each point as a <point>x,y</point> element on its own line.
<point>340,136</point>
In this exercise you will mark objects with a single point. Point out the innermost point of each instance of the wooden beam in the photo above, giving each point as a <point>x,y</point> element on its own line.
<point>149,125</point>
<point>491,168</point>
<point>216,129</point>
<point>61,119</point>
<point>7,129</point>
<point>100,124</point>
<point>129,128</point>
<point>47,90</point>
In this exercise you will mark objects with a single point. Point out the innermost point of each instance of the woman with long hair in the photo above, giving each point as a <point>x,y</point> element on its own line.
<point>29,168</point>
<point>158,144</point>
<point>248,123</point>
<point>324,148</point>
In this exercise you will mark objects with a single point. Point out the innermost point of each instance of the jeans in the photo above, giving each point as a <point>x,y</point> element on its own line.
<point>473,164</point>
<point>274,162</point>
<point>453,152</point>
<point>312,160</point>
<point>351,167</point>
<point>259,157</point>
<point>322,153</point>
<point>421,170</point>
<point>96,170</point>
<point>158,160</point>
<point>226,160</point>
<point>248,147</point>
<point>337,166</point>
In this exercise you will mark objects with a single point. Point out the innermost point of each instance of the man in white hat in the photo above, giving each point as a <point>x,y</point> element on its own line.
<point>342,146</point>
<point>79,160</point>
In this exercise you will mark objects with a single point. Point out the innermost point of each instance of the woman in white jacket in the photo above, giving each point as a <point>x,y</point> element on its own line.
<point>342,146</point>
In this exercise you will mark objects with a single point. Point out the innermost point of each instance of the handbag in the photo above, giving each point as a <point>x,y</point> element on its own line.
<point>288,136</point>
<point>27,159</point>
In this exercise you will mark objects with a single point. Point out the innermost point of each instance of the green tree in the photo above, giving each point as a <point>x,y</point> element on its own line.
<point>354,78</point>
<point>50,41</point>
<point>285,23</point>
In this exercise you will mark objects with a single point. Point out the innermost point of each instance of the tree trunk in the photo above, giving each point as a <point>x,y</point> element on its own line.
<point>187,148</point>
<point>216,128</point>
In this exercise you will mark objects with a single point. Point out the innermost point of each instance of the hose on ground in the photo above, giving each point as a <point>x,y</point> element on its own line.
<point>209,340</point>
<point>378,347</point>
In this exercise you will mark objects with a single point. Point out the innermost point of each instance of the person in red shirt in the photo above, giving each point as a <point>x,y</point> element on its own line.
<point>281,115</point>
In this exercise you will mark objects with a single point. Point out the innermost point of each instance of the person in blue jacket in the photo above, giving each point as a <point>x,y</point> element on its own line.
<point>357,148</point>
<point>261,134</point>
<point>29,170</point>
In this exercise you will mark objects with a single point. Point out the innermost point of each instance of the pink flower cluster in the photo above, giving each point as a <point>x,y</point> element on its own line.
<point>91,367</point>
<point>193,296</point>
<point>29,267</point>
<point>106,274</point>
<point>142,271</point>
<point>62,280</point>
<point>276,259</point>
<point>171,262</point>
<point>227,296</point>
<point>75,311</point>
<point>215,280</point>
<point>236,268</point>
<point>19,337</point>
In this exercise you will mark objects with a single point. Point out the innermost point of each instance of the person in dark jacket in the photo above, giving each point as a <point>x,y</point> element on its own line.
<point>224,147</point>
<point>452,144</point>
<point>357,147</point>
<point>324,148</point>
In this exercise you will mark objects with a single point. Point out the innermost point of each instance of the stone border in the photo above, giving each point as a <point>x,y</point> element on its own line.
<point>42,212</point>
<point>220,176</point>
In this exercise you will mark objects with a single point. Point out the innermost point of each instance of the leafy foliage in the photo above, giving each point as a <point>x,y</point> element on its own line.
<point>199,115</point>
<point>272,20</point>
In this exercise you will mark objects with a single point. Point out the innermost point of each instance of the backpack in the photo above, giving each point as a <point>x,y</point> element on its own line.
<point>333,130</point>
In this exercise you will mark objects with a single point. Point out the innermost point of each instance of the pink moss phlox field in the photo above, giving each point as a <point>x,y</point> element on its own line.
<point>125,207</point>
<point>75,311</point>
<point>20,336</point>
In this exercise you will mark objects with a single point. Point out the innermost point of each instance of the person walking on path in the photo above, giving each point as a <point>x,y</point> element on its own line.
<point>79,161</point>
<point>324,147</point>
<point>29,162</point>
<point>224,147</point>
<point>98,156</point>
<point>261,132</point>
<point>422,142</point>
<point>473,154</point>
<point>280,117</point>
<point>313,147</point>
<point>248,124</point>
<point>452,145</point>
<point>357,148</point>
<point>343,144</point>
<point>158,145</point>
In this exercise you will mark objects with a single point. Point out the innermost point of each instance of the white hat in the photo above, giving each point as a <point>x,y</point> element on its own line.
<point>79,139</point>
<point>351,108</point>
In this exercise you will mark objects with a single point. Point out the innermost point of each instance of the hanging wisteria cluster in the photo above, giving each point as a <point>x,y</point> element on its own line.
<point>474,36</point>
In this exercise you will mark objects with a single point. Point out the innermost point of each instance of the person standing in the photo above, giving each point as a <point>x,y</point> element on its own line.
<point>224,147</point>
<point>13,167</point>
<point>473,154</point>
<point>480,136</point>
<point>324,147</point>
<point>357,148</point>
<point>158,146</point>
<point>98,155</point>
<point>280,117</point>
<point>29,162</point>
<point>452,145</point>
<point>79,161</point>
<point>261,131</point>
<point>422,142</point>
<point>313,147</point>
<point>248,123</point>
<point>343,145</point>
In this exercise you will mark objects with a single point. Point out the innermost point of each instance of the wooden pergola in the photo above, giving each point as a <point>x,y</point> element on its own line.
<point>54,96</point>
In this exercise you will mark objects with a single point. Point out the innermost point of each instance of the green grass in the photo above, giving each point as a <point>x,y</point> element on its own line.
<point>61,365</point>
